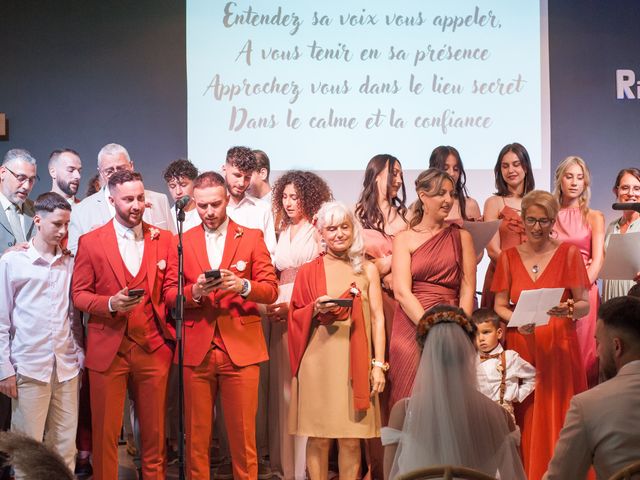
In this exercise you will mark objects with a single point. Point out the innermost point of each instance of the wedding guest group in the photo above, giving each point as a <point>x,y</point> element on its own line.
<point>301,317</point>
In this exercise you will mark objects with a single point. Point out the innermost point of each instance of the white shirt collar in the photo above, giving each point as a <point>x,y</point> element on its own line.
<point>498,349</point>
<point>121,230</point>
<point>221,230</point>
<point>34,255</point>
<point>246,199</point>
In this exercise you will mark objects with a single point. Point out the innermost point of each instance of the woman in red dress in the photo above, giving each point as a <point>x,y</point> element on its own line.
<point>514,179</point>
<point>542,262</point>
<point>433,263</point>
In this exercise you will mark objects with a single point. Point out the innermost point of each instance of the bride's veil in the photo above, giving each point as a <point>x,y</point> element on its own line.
<point>447,421</point>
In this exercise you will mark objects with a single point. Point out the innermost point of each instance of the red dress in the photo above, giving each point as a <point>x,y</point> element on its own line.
<point>511,232</point>
<point>553,349</point>
<point>436,271</point>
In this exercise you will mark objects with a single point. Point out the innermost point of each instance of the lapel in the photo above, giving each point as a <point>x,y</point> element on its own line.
<point>110,246</point>
<point>234,234</point>
<point>150,256</point>
<point>199,246</point>
<point>28,213</point>
<point>103,208</point>
<point>4,221</point>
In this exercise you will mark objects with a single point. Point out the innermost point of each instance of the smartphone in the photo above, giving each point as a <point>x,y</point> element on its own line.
<point>341,302</point>
<point>136,292</point>
<point>212,274</point>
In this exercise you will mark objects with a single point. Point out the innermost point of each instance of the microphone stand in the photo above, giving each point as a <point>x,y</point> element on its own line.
<point>179,317</point>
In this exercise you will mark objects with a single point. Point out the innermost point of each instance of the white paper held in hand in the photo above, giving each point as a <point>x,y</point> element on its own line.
<point>622,260</point>
<point>533,305</point>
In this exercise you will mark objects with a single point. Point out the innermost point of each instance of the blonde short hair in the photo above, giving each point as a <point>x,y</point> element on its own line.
<point>542,199</point>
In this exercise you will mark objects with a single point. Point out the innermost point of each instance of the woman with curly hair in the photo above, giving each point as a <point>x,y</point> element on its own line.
<point>336,345</point>
<point>297,197</point>
<point>447,158</point>
<point>446,420</point>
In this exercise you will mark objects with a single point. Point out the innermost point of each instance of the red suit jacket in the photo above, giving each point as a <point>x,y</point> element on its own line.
<point>99,274</point>
<point>237,318</point>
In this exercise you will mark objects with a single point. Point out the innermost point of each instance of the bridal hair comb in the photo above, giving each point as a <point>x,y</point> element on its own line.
<point>443,314</point>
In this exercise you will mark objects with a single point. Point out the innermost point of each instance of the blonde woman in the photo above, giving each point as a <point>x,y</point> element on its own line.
<point>583,227</point>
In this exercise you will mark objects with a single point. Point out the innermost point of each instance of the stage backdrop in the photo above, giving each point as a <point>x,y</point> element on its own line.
<point>85,73</point>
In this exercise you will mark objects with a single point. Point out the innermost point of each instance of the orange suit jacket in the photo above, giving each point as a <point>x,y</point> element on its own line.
<point>99,274</point>
<point>237,318</point>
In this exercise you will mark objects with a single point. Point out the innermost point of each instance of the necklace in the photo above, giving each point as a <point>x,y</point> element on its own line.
<point>535,269</point>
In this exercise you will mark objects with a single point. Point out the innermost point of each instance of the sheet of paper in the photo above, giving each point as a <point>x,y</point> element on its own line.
<point>622,258</point>
<point>481,232</point>
<point>533,305</point>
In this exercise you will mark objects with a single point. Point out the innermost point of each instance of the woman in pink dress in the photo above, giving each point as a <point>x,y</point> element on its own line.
<point>382,212</point>
<point>447,158</point>
<point>583,227</point>
<point>297,197</point>
<point>433,263</point>
<point>514,179</point>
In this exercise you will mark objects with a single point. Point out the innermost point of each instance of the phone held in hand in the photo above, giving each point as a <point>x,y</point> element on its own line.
<point>340,302</point>
<point>136,292</point>
<point>215,274</point>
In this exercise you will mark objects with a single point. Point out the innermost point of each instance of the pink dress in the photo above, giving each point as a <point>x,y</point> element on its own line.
<point>436,271</point>
<point>570,227</point>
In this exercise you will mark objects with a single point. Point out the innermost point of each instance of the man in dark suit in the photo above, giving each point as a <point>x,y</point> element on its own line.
<point>17,177</point>
<point>223,338</point>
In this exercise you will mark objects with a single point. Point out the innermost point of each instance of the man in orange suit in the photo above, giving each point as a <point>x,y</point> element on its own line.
<point>223,339</point>
<point>127,340</point>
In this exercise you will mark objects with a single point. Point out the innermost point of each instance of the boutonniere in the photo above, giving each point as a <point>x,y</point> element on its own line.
<point>66,252</point>
<point>162,264</point>
<point>238,234</point>
<point>241,266</point>
<point>354,290</point>
<point>148,205</point>
<point>154,233</point>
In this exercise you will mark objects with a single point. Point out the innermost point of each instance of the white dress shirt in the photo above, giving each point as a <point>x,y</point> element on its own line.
<point>124,235</point>
<point>253,213</point>
<point>191,219</point>
<point>214,239</point>
<point>37,328</point>
<point>520,379</point>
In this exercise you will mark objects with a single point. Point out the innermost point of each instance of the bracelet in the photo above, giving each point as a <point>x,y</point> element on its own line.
<point>571,306</point>
<point>383,365</point>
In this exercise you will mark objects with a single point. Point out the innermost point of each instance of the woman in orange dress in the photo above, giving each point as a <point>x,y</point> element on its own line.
<point>514,179</point>
<point>542,262</point>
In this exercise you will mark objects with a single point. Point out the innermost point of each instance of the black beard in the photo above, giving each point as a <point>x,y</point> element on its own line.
<point>66,188</point>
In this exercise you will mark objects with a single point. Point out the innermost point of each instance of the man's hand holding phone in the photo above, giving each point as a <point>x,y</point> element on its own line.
<point>126,299</point>
<point>206,283</point>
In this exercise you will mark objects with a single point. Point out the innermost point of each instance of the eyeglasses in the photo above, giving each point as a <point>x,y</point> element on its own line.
<point>629,188</point>
<point>107,172</point>
<point>543,222</point>
<point>22,179</point>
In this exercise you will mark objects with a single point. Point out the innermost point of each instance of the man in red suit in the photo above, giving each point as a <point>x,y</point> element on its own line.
<point>127,341</point>
<point>223,339</point>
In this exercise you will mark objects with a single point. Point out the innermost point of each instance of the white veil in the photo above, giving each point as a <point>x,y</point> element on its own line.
<point>447,421</point>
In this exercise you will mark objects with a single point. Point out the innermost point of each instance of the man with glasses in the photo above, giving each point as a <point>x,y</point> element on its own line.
<point>95,211</point>
<point>17,177</point>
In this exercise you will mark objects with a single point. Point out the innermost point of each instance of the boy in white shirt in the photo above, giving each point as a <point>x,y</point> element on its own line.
<point>40,342</point>
<point>503,375</point>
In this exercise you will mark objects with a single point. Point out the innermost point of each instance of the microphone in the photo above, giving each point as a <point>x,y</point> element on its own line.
<point>183,202</point>
<point>635,206</point>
